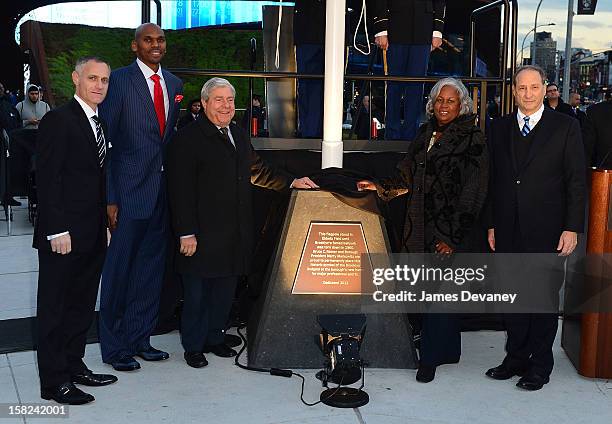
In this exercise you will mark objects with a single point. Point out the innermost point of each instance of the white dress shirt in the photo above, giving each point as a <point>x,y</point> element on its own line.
<point>534,118</point>
<point>89,112</point>
<point>435,34</point>
<point>148,73</point>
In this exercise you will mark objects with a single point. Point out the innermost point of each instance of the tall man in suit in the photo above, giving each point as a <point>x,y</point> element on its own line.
<point>597,133</point>
<point>141,110</point>
<point>408,30</point>
<point>70,234</point>
<point>216,238</point>
<point>537,194</point>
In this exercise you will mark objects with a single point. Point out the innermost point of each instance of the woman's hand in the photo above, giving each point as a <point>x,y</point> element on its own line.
<point>365,185</point>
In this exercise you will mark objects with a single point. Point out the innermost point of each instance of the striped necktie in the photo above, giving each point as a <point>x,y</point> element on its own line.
<point>526,128</point>
<point>100,142</point>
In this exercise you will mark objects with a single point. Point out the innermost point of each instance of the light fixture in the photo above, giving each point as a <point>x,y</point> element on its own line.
<point>341,337</point>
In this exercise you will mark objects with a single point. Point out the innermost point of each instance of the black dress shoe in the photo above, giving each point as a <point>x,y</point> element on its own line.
<point>152,354</point>
<point>221,350</point>
<point>66,393</point>
<point>532,382</point>
<point>425,374</point>
<point>195,359</point>
<point>502,372</point>
<point>88,378</point>
<point>125,363</point>
<point>232,341</point>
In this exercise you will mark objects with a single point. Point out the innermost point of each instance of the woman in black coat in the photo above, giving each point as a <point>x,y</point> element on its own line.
<point>445,175</point>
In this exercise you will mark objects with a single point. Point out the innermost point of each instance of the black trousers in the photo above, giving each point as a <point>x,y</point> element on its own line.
<point>530,342</point>
<point>67,291</point>
<point>440,339</point>
<point>206,307</point>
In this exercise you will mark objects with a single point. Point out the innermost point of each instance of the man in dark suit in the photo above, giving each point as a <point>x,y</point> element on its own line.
<point>597,134</point>
<point>141,111</point>
<point>537,195</point>
<point>216,240</point>
<point>555,102</point>
<point>574,101</point>
<point>192,114</point>
<point>70,234</point>
<point>408,30</point>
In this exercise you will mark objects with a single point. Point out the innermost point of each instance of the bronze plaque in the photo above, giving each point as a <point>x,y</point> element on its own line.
<point>332,260</point>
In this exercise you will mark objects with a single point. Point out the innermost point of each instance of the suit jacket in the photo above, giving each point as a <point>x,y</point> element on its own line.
<point>70,183</point>
<point>597,133</point>
<point>184,120</point>
<point>137,150</point>
<point>409,21</point>
<point>545,196</point>
<point>209,185</point>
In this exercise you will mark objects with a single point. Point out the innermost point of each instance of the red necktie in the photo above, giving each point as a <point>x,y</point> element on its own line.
<point>158,101</point>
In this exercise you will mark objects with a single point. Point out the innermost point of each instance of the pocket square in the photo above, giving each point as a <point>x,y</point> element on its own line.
<point>178,98</point>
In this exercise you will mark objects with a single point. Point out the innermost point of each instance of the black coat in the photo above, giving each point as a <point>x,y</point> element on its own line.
<point>545,195</point>
<point>562,107</point>
<point>409,21</point>
<point>209,186</point>
<point>597,133</point>
<point>447,186</point>
<point>70,184</point>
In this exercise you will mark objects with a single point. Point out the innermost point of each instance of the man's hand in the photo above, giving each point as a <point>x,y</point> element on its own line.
<point>382,41</point>
<point>303,182</point>
<point>33,121</point>
<point>61,244</point>
<point>188,245</point>
<point>491,238</point>
<point>365,185</point>
<point>112,211</point>
<point>443,248</point>
<point>436,42</point>
<point>567,243</point>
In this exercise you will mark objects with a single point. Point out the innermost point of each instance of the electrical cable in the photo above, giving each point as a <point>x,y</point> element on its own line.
<point>362,15</point>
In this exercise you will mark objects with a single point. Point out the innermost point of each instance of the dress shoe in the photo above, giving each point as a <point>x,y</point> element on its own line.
<point>195,359</point>
<point>425,374</point>
<point>152,354</point>
<point>88,378</point>
<point>125,363</point>
<point>221,350</point>
<point>67,393</point>
<point>532,382</point>
<point>232,341</point>
<point>502,372</point>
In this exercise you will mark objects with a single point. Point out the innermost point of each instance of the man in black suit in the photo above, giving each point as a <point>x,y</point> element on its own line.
<point>70,234</point>
<point>597,134</point>
<point>555,102</point>
<point>574,101</point>
<point>537,194</point>
<point>192,114</point>
<point>216,240</point>
<point>409,30</point>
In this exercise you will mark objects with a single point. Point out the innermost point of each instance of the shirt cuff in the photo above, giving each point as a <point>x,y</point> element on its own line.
<point>437,34</point>
<point>381,33</point>
<point>187,236</point>
<point>53,236</point>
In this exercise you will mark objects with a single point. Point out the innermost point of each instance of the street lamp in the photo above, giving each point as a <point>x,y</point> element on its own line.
<point>534,41</point>
<point>535,26</point>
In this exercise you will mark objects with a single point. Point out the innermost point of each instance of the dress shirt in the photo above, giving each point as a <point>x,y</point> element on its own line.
<point>89,112</point>
<point>534,118</point>
<point>435,34</point>
<point>148,73</point>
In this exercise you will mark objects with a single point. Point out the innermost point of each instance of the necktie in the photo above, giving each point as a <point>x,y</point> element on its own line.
<point>226,136</point>
<point>158,101</point>
<point>526,128</point>
<point>100,142</point>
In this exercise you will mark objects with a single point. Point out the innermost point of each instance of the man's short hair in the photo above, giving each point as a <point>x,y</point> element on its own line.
<point>552,84</point>
<point>214,83</point>
<point>33,87</point>
<point>193,101</point>
<point>529,68</point>
<point>80,63</point>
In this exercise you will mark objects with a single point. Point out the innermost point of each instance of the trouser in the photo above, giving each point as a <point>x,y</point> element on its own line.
<point>310,59</point>
<point>131,282</point>
<point>206,308</point>
<point>440,339</point>
<point>401,123</point>
<point>67,291</point>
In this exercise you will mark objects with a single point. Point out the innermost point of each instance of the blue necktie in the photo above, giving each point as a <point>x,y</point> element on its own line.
<point>526,128</point>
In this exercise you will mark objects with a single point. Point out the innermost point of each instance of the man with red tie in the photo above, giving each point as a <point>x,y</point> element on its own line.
<point>141,110</point>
